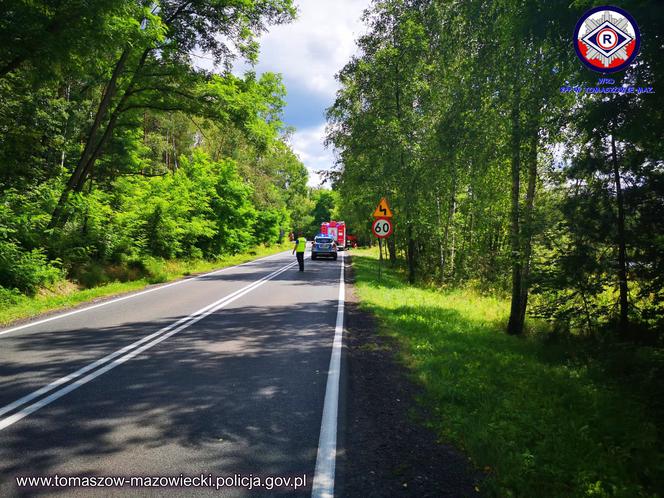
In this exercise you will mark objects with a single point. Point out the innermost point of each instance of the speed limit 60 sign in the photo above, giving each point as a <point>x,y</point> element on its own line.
<point>382,228</point>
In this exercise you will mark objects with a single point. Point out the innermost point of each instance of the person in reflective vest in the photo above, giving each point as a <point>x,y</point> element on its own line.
<point>298,250</point>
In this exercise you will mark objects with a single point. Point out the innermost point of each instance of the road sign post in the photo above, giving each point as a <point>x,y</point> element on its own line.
<point>382,228</point>
<point>380,257</point>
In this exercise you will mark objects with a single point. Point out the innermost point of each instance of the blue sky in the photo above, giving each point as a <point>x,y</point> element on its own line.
<point>308,53</point>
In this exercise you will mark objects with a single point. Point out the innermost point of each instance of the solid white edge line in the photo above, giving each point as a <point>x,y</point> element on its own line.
<point>183,324</point>
<point>323,484</point>
<point>132,295</point>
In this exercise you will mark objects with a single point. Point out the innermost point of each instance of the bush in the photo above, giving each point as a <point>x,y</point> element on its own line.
<point>91,275</point>
<point>156,270</point>
<point>9,296</point>
<point>26,271</point>
<point>268,225</point>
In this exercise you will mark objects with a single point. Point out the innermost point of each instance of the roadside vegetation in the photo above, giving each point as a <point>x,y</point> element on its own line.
<point>525,280</point>
<point>111,281</point>
<point>128,157</point>
<point>539,415</point>
<point>454,112</point>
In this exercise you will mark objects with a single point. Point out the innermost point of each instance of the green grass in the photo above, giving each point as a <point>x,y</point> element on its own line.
<point>537,418</point>
<point>66,294</point>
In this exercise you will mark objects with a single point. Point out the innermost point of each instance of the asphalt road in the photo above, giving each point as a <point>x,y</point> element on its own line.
<point>163,384</point>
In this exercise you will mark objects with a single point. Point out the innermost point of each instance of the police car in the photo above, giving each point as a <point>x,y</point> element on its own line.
<point>323,246</point>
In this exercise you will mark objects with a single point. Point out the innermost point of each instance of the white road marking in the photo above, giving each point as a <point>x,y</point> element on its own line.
<point>129,352</point>
<point>323,485</point>
<point>130,296</point>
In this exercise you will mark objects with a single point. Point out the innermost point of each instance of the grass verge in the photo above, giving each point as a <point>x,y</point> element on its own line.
<point>66,294</point>
<point>539,419</point>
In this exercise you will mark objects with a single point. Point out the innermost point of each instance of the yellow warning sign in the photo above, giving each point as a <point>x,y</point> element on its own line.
<point>383,209</point>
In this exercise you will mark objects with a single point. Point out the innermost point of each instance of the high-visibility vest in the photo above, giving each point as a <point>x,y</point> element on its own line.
<point>301,244</point>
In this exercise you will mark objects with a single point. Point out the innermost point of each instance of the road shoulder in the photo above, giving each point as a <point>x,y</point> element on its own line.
<point>386,450</point>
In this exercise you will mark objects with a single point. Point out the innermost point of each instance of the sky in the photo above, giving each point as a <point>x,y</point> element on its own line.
<point>308,53</point>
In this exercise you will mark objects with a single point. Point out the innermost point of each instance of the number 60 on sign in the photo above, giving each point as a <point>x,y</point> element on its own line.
<point>382,228</point>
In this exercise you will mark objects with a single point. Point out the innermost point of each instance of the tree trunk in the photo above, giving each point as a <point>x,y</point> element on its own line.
<point>402,164</point>
<point>449,223</point>
<point>453,243</point>
<point>411,255</point>
<point>527,232</point>
<point>392,249</point>
<point>515,325</point>
<point>469,240</point>
<point>77,178</point>
<point>110,127</point>
<point>441,246</point>
<point>94,148</point>
<point>108,133</point>
<point>622,251</point>
<point>63,154</point>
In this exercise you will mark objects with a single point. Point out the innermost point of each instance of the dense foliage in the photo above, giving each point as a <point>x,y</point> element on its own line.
<point>453,110</point>
<point>116,146</point>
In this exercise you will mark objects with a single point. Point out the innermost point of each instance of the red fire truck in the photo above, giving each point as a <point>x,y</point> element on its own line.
<point>337,230</point>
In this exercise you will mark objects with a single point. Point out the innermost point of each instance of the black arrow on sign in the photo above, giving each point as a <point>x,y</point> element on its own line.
<point>382,210</point>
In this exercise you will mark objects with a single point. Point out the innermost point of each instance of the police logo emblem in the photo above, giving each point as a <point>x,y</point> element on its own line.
<point>607,39</point>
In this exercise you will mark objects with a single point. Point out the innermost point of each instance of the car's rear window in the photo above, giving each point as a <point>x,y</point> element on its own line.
<point>323,240</point>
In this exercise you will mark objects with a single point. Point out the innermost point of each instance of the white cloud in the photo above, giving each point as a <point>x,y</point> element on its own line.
<point>308,53</point>
<point>307,143</point>
<point>311,50</point>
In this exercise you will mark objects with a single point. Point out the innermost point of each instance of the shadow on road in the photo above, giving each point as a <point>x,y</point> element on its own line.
<point>238,392</point>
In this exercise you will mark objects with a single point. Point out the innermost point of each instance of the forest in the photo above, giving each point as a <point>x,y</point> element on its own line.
<point>523,291</point>
<point>502,178</point>
<point>120,148</point>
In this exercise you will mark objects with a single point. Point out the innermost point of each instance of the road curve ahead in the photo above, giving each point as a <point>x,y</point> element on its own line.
<point>219,378</point>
